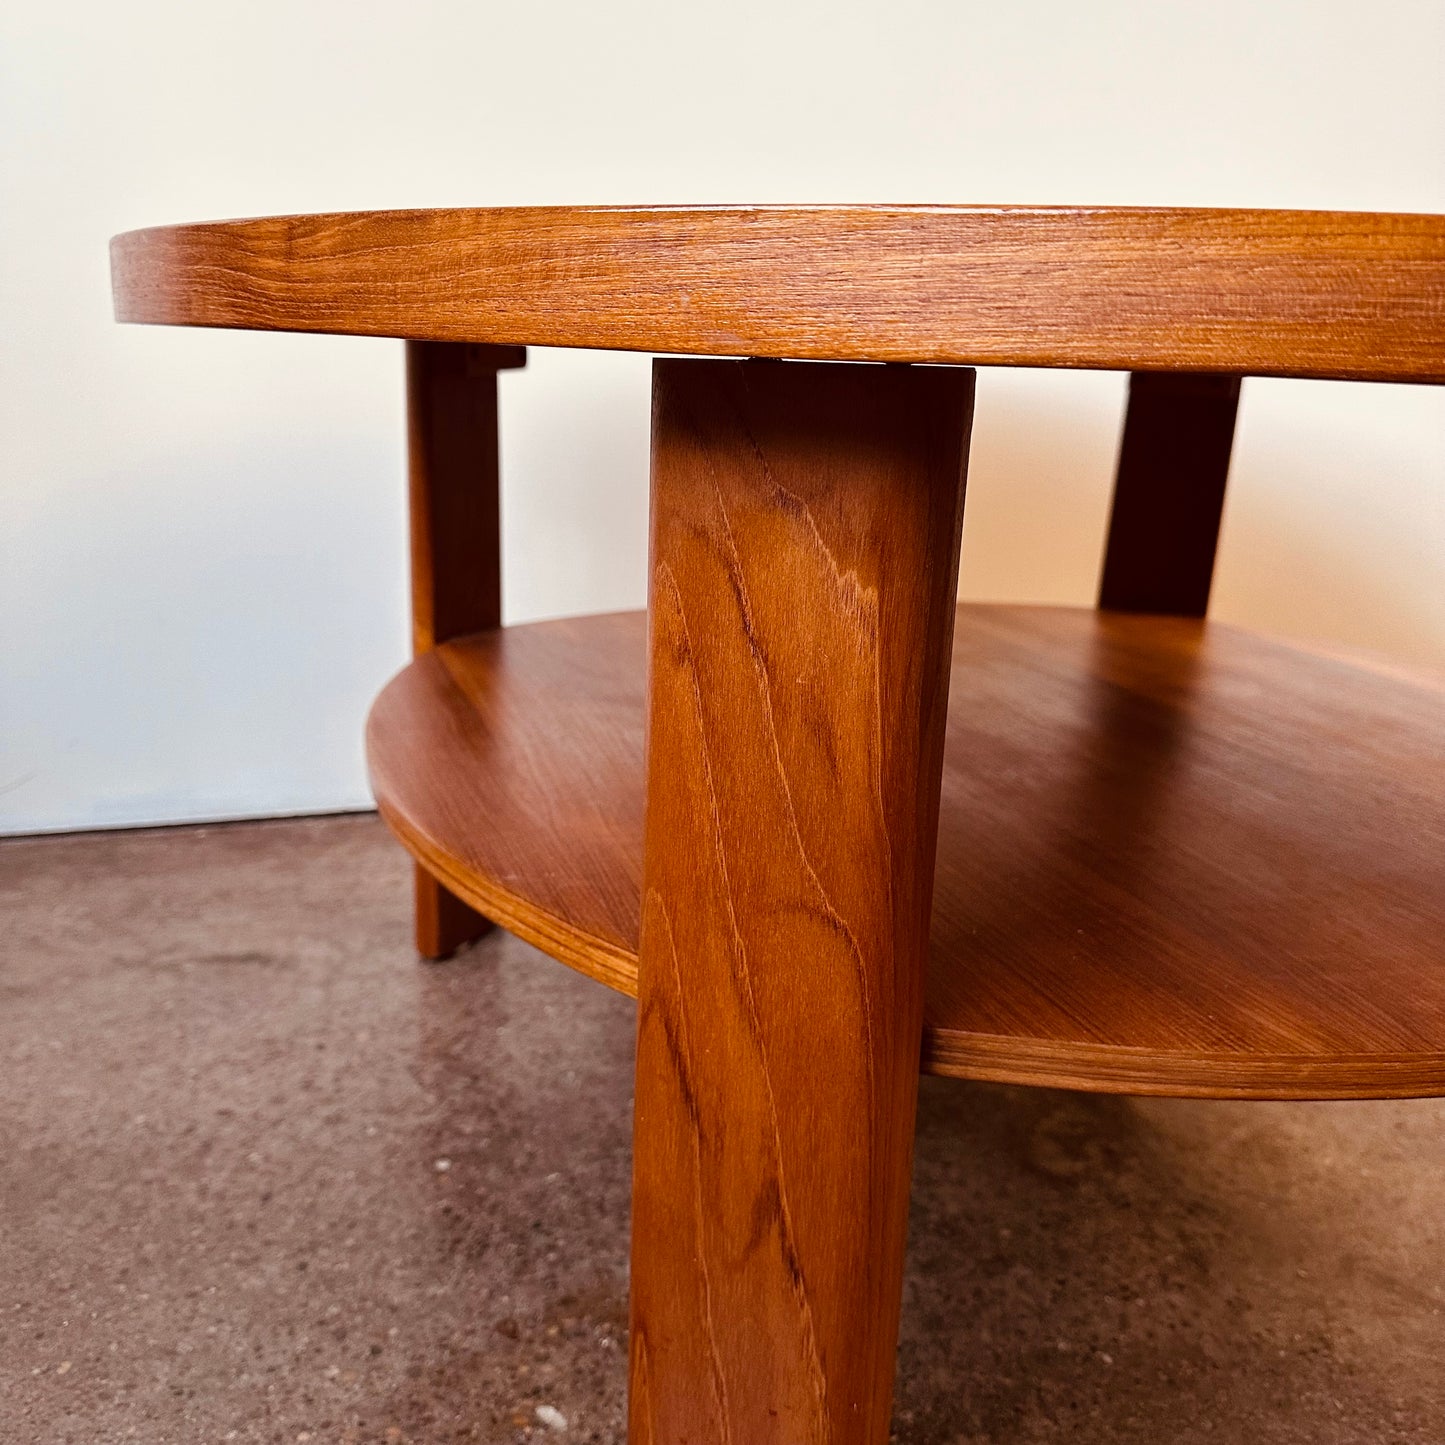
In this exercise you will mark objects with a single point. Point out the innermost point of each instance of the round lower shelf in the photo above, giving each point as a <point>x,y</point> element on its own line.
<point>1174,857</point>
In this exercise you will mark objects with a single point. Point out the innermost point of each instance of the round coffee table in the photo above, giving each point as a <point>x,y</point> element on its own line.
<point>826,824</point>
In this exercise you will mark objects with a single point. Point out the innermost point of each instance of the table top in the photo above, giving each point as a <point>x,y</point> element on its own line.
<point>1349,295</point>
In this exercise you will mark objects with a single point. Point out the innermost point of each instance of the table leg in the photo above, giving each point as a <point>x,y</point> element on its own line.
<point>456,554</point>
<point>805,530</point>
<point>1169,493</point>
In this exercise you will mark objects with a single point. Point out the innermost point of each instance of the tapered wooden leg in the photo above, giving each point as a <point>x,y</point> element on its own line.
<point>1169,493</point>
<point>456,557</point>
<point>805,538</point>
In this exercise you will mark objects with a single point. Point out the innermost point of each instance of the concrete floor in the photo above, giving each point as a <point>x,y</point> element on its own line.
<point>263,1177</point>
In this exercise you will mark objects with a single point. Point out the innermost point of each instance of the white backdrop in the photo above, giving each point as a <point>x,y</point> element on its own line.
<point>201,547</point>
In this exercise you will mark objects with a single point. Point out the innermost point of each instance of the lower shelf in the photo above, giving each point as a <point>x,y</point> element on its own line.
<point>1174,857</point>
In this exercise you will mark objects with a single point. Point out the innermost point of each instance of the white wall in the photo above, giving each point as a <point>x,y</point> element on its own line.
<point>201,548</point>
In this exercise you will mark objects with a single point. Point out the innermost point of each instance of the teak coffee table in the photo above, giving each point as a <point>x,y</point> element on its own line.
<point>822,822</point>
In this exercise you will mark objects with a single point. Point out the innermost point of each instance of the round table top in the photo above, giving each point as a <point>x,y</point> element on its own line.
<point>1266,292</point>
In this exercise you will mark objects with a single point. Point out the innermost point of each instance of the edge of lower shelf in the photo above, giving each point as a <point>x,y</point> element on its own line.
<point>543,930</point>
<point>1001,1059</point>
<point>1117,1069</point>
<point>1005,1059</point>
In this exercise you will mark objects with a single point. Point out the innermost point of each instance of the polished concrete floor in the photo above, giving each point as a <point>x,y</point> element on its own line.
<point>264,1177</point>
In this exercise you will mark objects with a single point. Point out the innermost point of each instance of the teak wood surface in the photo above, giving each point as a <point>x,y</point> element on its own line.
<point>1174,857</point>
<point>456,545</point>
<point>805,532</point>
<point>1289,293</point>
<point>1164,856</point>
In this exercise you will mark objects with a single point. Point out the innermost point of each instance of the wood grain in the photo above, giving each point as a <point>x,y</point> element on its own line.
<point>1174,857</point>
<point>1157,857</point>
<point>805,531</point>
<point>1287,293</point>
<point>456,545</point>
<point>510,765</point>
<point>1169,493</point>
